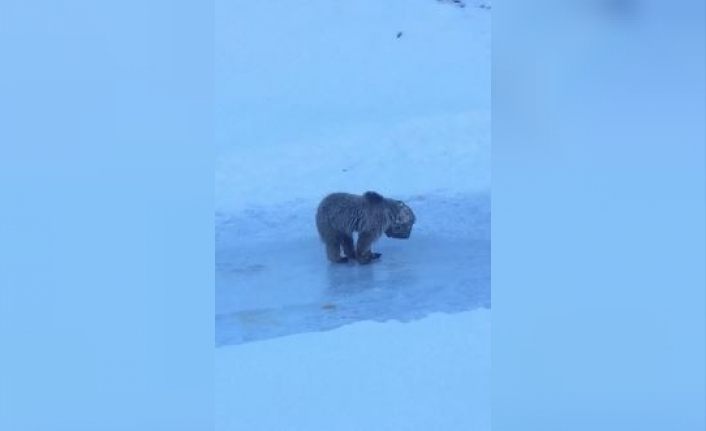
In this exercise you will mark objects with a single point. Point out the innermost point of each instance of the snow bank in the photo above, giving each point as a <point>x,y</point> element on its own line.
<point>322,96</point>
<point>431,374</point>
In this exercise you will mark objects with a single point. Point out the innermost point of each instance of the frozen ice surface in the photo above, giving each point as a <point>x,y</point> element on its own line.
<point>281,282</point>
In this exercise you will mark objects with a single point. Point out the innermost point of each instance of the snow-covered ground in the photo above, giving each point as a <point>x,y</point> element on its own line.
<point>321,96</point>
<point>432,374</point>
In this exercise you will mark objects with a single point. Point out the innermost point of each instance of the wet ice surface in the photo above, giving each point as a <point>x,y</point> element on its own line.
<point>272,281</point>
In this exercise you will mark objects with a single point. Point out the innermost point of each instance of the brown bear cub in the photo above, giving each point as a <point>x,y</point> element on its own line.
<point>341,214</point>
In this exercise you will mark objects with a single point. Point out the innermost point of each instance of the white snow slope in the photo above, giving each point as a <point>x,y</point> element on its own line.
<point>427,375</point>
<point>320,96</point>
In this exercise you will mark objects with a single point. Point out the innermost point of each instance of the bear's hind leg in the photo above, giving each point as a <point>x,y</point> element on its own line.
<point>333,251</point>
<point>348,248</point>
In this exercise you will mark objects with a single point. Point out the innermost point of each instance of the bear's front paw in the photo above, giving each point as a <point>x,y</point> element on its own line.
<point>368,257</point>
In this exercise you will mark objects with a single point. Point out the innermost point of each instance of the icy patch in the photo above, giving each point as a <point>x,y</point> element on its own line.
<point>272,278</point>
